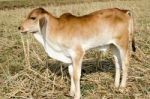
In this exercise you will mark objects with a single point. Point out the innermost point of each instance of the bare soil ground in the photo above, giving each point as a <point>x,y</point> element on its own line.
<point>27,73</point>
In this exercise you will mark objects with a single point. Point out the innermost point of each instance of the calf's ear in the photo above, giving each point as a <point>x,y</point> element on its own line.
<point>42,24</point>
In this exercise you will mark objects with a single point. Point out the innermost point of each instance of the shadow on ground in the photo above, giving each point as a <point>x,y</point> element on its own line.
<point>88,66</point>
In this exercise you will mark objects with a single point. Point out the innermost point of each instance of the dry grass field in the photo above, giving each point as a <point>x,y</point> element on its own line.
<point>27,73</point>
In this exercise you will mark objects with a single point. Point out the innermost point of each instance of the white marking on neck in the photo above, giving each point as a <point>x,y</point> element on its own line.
<point>52,50</point>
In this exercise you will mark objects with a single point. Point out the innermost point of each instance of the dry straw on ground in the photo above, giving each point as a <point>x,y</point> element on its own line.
<point>27,73</point>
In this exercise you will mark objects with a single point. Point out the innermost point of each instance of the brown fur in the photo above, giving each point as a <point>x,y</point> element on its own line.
<point>75,34</point>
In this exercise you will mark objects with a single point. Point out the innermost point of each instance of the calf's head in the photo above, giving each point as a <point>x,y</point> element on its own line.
<point>34,21</point>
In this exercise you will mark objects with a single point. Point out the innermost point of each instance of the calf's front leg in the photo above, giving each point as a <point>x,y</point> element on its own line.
<point>72,87</point>
<point>75,72</point>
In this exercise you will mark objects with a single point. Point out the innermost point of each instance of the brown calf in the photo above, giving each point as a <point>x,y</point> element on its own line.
<point>68,37</point>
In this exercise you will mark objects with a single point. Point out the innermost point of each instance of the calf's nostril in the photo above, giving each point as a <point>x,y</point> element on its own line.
<point>19,28</point>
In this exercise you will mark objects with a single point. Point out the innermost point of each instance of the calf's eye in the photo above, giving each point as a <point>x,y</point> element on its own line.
<point>33,18</point>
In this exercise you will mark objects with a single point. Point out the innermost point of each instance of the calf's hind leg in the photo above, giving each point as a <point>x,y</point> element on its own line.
<point>117,58</point>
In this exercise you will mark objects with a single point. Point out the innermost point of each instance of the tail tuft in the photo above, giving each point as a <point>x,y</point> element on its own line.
<point>133,45</point>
